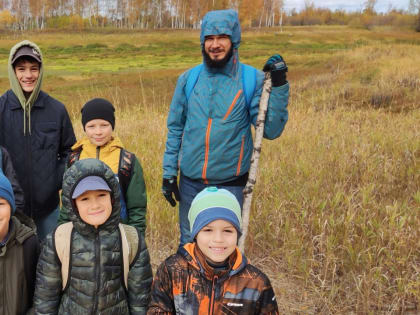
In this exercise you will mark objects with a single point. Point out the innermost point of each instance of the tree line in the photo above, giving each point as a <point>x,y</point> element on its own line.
<point>184,14</point>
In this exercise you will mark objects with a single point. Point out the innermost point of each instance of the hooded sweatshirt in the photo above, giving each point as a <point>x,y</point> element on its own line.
<point>15,85</point>
<point>38,134</point>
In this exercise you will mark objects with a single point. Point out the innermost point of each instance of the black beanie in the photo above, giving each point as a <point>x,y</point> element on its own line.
<point>98,108</point>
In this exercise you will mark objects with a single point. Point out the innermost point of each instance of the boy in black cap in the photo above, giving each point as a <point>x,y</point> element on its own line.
<point>37,132</point>
<point>98,122</point>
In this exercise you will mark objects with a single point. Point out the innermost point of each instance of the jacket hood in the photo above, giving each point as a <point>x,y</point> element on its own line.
<point>25,226</point>
<point>73,175</point>
<point>222,22</point>
<point>14,83</point>
<point>192,253</point>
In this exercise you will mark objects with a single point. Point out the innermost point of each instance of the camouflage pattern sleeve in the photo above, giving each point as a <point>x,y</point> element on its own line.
<point>267,303</point>
<point>48,280</point>
<point>162,302</point>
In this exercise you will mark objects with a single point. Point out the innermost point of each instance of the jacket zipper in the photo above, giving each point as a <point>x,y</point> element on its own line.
<point>241,154</point>
<point>97,272</point>
<point>211,306</point>
<point>206,156</point>
<point>232,105</point>
<point>98,149</point>
<point>29,164</point>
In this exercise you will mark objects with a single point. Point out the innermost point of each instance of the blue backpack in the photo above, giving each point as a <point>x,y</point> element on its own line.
<point>249,81</point>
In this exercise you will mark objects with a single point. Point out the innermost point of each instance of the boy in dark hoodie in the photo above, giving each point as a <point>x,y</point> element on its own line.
<point>37,132</point>
<point>19,250</point>
<point>94,281</point>
<point>210,275</point>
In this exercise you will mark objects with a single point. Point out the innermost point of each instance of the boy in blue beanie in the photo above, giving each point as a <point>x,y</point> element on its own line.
<point>210,275</point>
<point>19,250</point>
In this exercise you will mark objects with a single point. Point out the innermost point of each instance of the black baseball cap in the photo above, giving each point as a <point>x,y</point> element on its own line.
<point>27,51</point>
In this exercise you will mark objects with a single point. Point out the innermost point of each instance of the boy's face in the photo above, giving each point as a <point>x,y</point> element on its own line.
<point>27,73</point>
<point>98,131</point>
<point>94,206</point>
<point>5,213</point>
<point>217,240</point>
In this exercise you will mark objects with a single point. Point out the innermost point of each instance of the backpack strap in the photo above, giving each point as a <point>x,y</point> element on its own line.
<point>125,169</point>
<point>73,157</point>
<point>62,241</point>
<point>130,243</point>
<point>192,79</point>
<point>249,81</point>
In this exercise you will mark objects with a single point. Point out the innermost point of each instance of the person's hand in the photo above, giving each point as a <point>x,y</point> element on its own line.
<point>278,68</point>
<point>169,187</point>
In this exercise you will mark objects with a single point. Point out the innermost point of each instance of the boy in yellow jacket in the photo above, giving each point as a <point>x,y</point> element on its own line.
<point>98,122</point>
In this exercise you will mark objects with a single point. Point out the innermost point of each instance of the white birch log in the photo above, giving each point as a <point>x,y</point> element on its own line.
<point>259,132</point>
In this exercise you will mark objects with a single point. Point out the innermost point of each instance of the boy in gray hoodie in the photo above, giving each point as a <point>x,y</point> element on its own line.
<point>37,132</point>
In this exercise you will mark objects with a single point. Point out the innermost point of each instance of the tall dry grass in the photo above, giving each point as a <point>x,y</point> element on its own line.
<point>335,219</point>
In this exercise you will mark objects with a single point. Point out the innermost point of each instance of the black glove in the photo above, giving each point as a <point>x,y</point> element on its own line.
<point>278,68</point>
<point>169,187</point>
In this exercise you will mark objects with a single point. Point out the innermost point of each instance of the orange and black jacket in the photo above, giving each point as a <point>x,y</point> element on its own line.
<point>186,284</point>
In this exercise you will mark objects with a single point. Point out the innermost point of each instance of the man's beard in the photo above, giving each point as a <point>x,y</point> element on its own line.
<point>217,63</point>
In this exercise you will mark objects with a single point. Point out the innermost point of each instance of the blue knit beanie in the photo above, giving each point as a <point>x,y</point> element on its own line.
<point>213,204</point>
<point>6,192</point>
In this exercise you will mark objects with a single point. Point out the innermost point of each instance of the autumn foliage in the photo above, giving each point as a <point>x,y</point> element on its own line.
<point>183,14</point>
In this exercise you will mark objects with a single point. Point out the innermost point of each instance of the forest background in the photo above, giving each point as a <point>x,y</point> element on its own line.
<point>335,220</point>
<point>181,14</point>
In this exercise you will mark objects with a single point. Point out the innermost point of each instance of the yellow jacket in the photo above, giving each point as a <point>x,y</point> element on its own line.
<point>134,197</point>
<point>109,153</point>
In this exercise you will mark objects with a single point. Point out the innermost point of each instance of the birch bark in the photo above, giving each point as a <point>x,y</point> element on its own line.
<point>259,132</point>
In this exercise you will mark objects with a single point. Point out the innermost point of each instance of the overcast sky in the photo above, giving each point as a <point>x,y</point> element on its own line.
<point>349,5</point>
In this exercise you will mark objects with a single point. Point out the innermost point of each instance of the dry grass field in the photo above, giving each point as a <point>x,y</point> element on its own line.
<point>335,220</point>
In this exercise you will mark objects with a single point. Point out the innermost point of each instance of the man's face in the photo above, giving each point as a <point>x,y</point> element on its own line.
<point>217,46</point>
<point>94,206</point>
<point>27,73</point>
<point>98,131</point>
<point>5,213</point>
<point>217,240</point>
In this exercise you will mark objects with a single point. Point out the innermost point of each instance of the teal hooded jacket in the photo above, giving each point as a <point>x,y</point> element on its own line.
<point>209,134</point>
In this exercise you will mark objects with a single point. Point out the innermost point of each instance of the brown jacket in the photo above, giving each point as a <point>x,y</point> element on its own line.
<point>18,259</point>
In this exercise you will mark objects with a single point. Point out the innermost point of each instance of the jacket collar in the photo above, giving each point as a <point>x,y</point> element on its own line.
<point>194,256</point>
<point>15,104</point>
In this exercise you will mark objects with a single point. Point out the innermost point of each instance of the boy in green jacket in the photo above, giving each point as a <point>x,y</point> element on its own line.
<point>93,264</point>
<point>19,250</point>
<point>100,142</point>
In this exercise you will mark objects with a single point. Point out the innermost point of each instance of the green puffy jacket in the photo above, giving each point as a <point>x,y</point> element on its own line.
<point>95,284</point>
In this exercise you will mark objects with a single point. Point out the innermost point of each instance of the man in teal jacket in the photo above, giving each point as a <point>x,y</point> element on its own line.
<point>212,110</point>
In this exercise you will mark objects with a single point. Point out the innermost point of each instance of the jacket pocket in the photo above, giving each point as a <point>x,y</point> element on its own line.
<point>47,133</point>
<point>232,105</point>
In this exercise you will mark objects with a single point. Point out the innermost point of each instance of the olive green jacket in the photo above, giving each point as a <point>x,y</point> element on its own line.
<point>18,258</point>
<point>96,282</point>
